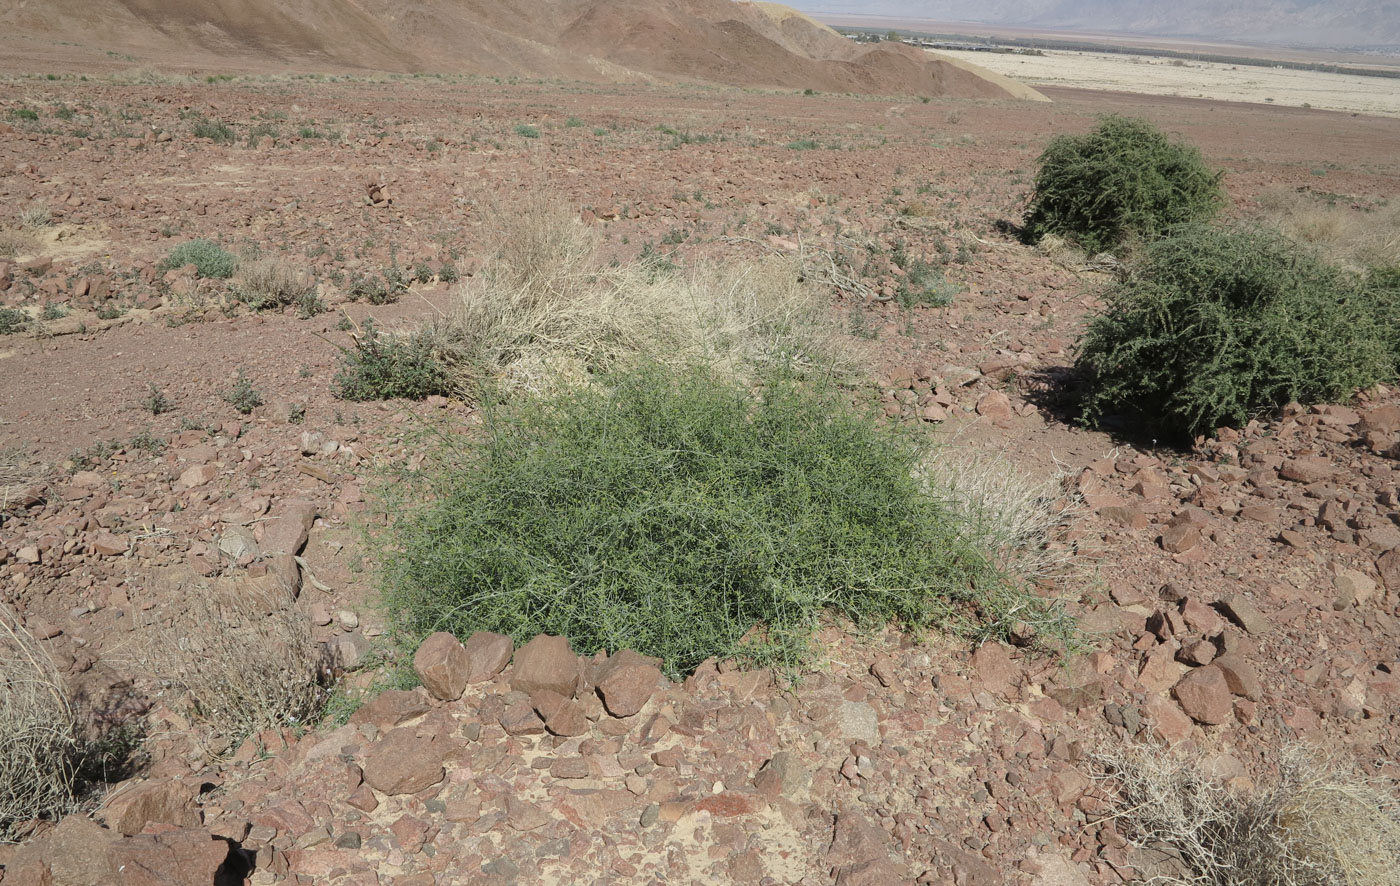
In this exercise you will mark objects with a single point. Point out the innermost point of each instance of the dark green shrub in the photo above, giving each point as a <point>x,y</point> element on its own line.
<point>1213,326</point>
<point>1124,178</point>
<point>28,115</point>
<point>219,133</point>
<point>673,512</point>
<point>382,367</point>
<point>209,259</point>
<point>13,320</point>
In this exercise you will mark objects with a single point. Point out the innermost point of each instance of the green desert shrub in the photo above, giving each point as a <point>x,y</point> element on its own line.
<point>1212,326</point>
<point>1123,179</point>
<point>684,514</point>
<point>209,259</point>
<point>384,365</point>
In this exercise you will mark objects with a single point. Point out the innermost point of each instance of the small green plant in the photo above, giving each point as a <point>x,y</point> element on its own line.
<point>809,91</point>
<point>525,130</point>
<point>155,402</point>
<point>573,123</point>
<point>219,133</point>
<point>804,144</point>
<point>423,272</point>
<point>309,304</point>
<point>448,273</point>
<point>1123,179</point>
<point>28,115</point>
<point>13,320</point>
<point>684,516</point>
<point>209,259</point>
<point>109,311</point>
<point>1214,326</point>
<point>53,311</point>
<point>243,396</point>
<point>382,366</point>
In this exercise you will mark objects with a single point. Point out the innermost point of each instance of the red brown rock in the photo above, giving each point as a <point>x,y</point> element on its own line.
<point>1204,695</point>
<point>545,662</point>
<point>487,655</point>
<point>441,662</point>
<point>134,805</point>
<point>402,762</point>
<point>626,681</point>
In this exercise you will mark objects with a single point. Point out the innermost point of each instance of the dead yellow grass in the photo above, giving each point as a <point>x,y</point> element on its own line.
<point>1356,238</point>
<point>239,651</point>
<point>38,740</point>
<point>1319,824</point>
<point>546,311</point>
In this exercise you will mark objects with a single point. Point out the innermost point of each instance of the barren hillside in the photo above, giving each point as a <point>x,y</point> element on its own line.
<point>744,44</point>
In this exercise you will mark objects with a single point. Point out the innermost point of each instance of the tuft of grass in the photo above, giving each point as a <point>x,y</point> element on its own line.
<point>38,732</point>
<point>804,144</point>
<point>28,115</point>
<point>155,402</point>
<point>1318,824</point>
<point>382,366</point>
<point>525,130</point>
<point>270,283</point>
<point>209,259</point>
<point>684,514</point>
<point>243,396</point>
<point>242,654</point>
<point>35,218</point>
<point>545,310</point>
<point>1354,238</point>
<point>1124,179</point>
<point>1212,326</point>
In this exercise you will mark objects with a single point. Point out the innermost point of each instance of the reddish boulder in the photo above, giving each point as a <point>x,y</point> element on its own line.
<point>626,681</point>
<point>1204,695</point>
<point>487,655</point>
<point>441,662</point>
<point>546,662</point>
<point>166,801</point>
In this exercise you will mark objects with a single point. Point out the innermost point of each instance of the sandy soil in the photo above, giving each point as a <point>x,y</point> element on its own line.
<point>1161,76</point>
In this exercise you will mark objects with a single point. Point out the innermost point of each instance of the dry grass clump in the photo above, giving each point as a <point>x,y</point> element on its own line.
<point>271,283</point>
<point>1354,238</point>
<point>545,310</point>
<point>1318,824</point>
<point>38,733</point>
<point>1014,514</point>
<point>242,653</point>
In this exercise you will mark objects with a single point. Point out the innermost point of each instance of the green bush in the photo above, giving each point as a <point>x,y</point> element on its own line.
<point>525,130</point>
<point>209,259</point>
<point>382,366</point>
<point>1213,326</point>
<point>1123,179</point>
<point>243,396</point>
<point>13,320</point>
<point>684,516</point>
<point>219,133</point>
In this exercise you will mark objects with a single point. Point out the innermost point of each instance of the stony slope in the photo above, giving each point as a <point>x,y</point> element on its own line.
<point>742,44</point>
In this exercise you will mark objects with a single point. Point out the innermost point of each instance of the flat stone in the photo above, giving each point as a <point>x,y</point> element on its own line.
<point>1180,538</point>
<point>161,801</point>
<point>857,721</point>
<point>1242,611</point>
<point>1307,469</point>
<point>996,669</point>
<point>402,762</point>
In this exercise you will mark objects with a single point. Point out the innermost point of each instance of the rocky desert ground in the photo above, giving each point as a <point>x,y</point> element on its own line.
<point>165,442</point>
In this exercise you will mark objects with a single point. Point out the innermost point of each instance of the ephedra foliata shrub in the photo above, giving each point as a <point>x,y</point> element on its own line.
<point>1212,326</point>
<point>679,513</point>
<point>1124,179</point>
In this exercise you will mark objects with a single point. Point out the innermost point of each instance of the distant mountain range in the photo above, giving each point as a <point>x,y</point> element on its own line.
<point>1310,23</point>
